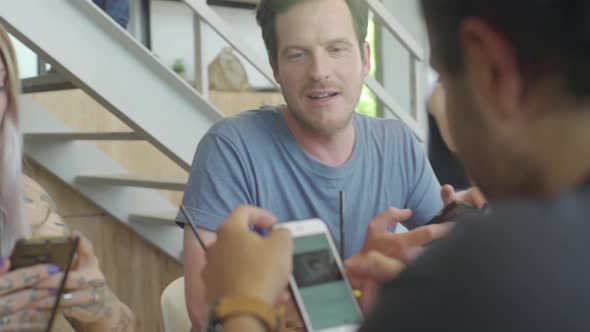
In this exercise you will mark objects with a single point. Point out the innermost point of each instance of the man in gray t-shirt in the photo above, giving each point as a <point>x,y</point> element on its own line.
<point>517,88</point>
<point>254,159</point>
<point>295,160</point>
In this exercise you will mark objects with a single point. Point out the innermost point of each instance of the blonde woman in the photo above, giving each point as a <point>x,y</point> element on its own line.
<point>26,295</point>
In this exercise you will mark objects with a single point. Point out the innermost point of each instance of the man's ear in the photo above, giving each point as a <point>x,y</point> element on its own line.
<point>491,68</point>
<point>366,53</point>
<point>275,70</point>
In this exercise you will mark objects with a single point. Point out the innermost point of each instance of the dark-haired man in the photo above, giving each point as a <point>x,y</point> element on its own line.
<point>515,74</point>
<point>296,159</point>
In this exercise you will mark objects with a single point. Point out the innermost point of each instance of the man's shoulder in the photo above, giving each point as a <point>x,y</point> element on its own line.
<point>380,127</point>
<point>389,135</point>
<point>246,124</point>
<point>375,122</point>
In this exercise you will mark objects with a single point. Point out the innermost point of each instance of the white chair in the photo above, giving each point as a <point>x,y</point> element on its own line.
<point>174,310</point>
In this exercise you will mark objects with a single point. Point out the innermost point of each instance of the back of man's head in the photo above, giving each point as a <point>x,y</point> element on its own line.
<point>549,37</point>
<point>268,10</point>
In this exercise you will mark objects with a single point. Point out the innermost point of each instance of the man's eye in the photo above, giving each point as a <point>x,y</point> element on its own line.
<point>337,51</point>
<point>295,55</point>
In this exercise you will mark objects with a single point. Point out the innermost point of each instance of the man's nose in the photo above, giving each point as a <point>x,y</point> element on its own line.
<point>320,68</point>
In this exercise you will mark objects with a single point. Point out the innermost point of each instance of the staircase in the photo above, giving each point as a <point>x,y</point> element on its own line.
<point>95,55</point>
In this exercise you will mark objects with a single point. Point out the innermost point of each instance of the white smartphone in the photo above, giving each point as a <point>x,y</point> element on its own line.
<point>318,283</point>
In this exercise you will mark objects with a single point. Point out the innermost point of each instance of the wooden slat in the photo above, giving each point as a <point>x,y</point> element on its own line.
<point>128,180</point>
<point>47,82</point>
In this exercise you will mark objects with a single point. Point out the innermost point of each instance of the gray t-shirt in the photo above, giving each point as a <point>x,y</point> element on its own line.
<point>523,267</point>
<point>253,158</point>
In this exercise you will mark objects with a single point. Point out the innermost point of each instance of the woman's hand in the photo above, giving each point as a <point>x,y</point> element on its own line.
<point>86,297</point>
<point>20,307</point>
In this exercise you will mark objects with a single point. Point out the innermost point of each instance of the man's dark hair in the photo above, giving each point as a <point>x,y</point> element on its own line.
<point>550,37</point>
<point>269,9</point>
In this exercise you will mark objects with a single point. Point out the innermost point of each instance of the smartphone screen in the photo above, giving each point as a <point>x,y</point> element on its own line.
<point>326,298</point>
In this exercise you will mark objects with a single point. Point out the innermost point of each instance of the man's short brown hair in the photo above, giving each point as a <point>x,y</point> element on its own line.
<point>269,9</point>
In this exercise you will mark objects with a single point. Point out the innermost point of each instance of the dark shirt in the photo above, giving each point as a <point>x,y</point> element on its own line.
<point>446,166</point>
<point>116,9</point>
<point>524,267</point>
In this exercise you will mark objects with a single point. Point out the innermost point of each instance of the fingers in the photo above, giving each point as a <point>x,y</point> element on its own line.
<point>477,198</point>
<point>281,238</point>
<point>85,250</point>
<point>4,265</point>
<point>88,296</point>
<point>422,236</point>
<point>245,216</point>
<point>25,277</point>
<point>447,194</point>
<point>388,218</point>
<point>283,298</point>
<point>86,305</point>
<point>28,320</point>
<point>281,242</point>
<point>473,196</point>
<point>374,266</point>
<point>15,302</point>
<point>76,280</point>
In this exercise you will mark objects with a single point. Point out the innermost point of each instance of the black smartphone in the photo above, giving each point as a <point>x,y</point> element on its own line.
<point>51,250</point>
<point>59,251</point>
<point>453,211</point>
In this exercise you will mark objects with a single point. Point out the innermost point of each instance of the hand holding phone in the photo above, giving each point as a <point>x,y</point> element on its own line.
<point>32,261</point>
<point>318,283</point>
<point>242,262</point>
<point>16,288</point>
<point>453,211</point>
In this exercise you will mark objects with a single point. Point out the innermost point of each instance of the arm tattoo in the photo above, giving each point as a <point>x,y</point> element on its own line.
<point>6,285</point>
<point>29,279</point>
<point>124,322</point>
<point>6,307</point>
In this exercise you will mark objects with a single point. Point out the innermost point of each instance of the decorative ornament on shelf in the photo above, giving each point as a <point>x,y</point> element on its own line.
<point>179,68</point>
<point>227,73</point>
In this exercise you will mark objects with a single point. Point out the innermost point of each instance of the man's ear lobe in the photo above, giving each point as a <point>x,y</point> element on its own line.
<point>366,58</point>
<point>491,68</point>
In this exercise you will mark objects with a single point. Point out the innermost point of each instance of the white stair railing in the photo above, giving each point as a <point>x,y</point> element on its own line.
<point>144,94</point>
<point>415,80</point>
<point>103,60</point>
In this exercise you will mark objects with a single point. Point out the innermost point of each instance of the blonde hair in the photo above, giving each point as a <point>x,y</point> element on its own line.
<point>13,225</point>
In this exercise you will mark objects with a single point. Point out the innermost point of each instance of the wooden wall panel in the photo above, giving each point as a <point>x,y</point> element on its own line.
<point>136,271</point>
<point>76,109</point>
<point>79,111</point>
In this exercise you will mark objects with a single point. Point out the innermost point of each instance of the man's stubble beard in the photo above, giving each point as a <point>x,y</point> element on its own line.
<point>316,129</point>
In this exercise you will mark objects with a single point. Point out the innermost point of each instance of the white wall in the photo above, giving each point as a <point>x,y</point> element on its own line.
<point>172,36</point>
<point>27,59</point>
